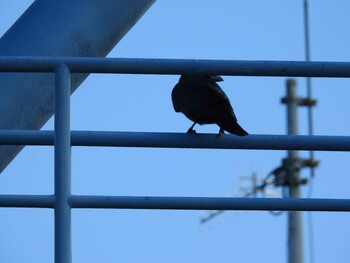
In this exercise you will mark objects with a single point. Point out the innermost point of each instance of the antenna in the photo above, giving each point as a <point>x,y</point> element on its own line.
<point>257,185</point>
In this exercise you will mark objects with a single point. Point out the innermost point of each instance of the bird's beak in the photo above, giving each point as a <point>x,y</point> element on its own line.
<point>216,78</point>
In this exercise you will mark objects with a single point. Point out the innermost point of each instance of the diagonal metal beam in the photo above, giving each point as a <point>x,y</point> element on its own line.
<point>76,28</point>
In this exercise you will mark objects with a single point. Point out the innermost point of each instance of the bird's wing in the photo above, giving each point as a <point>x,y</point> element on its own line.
<point>203,97</point>
<point>217,100</point>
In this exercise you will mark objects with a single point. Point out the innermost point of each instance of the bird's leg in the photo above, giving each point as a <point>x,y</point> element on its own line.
<point>221,132</point>
<point>191,130</point>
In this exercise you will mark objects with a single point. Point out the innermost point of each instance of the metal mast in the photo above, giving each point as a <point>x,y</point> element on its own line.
<point>295,229</point>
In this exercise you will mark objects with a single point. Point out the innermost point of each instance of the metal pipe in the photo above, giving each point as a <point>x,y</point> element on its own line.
<point>177,66</point>
<point>209,203</point>
<point>179,203</point>
<point>63,247</point>
<point>295,226</point>
<point>181,140</point>
<point>76,28</point>
<point>26,201</point>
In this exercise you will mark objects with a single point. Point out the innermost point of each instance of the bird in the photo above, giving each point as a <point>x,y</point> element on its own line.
<point>201,100</point>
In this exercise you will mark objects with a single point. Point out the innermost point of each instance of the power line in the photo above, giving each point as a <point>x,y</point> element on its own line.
<point>310,129</point>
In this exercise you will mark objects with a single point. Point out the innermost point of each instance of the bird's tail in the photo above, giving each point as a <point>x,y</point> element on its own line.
<point>234,128</point>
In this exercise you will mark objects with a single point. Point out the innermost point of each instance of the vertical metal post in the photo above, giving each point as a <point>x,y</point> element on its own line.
<point>295,236</point>
<point>63,252</point>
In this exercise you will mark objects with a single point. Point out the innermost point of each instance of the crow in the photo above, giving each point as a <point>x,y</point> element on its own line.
<point>202,101</point>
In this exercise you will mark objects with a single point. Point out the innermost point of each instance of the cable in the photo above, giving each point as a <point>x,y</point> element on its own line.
<point>211,216</point>
<point>310,128</point>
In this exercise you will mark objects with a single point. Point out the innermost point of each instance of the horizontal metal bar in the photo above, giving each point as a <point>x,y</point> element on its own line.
<point>33,201</point>
<point>179,203</point>
<point>180,140</point>
<point>176,66</point>
<point>210,203</point>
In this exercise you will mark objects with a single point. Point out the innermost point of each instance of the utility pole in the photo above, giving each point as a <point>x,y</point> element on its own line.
<point>287,175</point>
<point>292,164</point>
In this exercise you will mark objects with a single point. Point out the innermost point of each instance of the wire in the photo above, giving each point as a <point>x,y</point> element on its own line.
<point>310,128</point>
<point>310,189</point>
<point>211,216</point>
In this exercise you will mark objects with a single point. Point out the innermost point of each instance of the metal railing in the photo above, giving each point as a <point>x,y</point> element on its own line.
<point>62,138</point>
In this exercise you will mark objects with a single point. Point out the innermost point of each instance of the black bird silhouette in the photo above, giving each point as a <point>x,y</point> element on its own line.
<point>202,100</point>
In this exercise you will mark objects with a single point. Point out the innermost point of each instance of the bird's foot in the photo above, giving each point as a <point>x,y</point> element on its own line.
<point>221,132</point>
<point>191,131</point>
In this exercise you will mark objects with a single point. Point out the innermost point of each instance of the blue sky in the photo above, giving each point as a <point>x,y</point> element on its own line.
<point>223,29</point>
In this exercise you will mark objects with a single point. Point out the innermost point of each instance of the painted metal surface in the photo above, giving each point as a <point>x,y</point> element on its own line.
<point>295,223</point>
<point>63,221</point>
<point>56,28</point>
<point>28,201</point>
<point>209,203</point>
<point>177,66</point>
<point>181,140</point>
<point>180,203</point>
